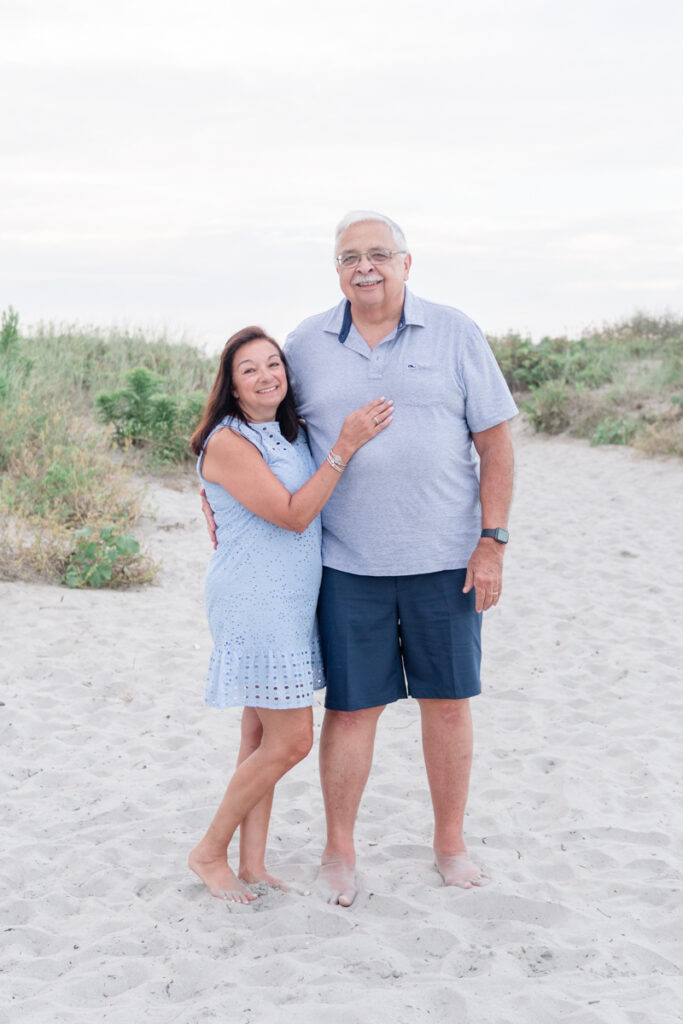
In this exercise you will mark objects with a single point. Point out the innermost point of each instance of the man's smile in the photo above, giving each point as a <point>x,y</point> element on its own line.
<point>365,281</point>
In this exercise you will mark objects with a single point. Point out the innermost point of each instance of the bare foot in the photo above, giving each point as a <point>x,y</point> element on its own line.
<point>219,878</point>
<point>458,869</point>
<point>264,877</point>
<point>338,879</point>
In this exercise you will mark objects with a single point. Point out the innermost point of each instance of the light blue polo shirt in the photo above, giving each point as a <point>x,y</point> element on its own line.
<point>408,502</point>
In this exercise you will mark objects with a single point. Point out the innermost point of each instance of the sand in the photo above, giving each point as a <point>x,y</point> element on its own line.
<point>113,768</point>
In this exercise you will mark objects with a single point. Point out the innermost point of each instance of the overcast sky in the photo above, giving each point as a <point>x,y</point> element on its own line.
<point>182,165</point>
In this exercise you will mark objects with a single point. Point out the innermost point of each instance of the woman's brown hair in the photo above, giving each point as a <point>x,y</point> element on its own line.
<point>222,402</point>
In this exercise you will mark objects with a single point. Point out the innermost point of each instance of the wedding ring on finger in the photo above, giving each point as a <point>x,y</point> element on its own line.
<point>375,421</point>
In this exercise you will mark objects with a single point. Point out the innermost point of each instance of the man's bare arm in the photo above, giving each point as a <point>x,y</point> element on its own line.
<point>208,515</point>
<point>496,471</point>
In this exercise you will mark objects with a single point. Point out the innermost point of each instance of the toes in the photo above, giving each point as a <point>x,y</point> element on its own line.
<point>235,895</point>
<point>341,899</point>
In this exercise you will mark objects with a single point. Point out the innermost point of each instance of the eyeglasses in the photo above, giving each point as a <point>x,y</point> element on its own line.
<point>375,256</point>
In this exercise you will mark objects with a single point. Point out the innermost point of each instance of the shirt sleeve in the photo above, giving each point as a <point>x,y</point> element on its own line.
<point>488,400</point>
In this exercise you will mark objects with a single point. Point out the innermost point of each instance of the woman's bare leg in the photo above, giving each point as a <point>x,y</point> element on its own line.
<point>287,736</point>
<point>254,827</point>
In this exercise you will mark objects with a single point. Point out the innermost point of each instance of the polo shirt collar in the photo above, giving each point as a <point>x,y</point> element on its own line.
<point>339,320</point>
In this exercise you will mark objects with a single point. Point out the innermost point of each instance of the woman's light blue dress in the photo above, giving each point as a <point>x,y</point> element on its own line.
<point>262,589</point>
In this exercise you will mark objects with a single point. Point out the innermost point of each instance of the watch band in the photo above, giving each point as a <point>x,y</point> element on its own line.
<point>499,534</point>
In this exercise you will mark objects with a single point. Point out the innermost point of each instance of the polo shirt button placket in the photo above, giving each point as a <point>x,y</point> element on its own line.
<point>376,366</point>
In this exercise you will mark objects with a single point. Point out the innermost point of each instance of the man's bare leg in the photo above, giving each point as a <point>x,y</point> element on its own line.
<point>447,743</point>
<point>347,742</point>
<point>287,738</point>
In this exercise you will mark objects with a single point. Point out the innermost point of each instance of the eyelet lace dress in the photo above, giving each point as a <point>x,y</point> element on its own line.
<point>262,589</point>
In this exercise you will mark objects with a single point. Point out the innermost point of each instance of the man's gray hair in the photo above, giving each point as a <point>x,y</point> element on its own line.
<point>360,216</point>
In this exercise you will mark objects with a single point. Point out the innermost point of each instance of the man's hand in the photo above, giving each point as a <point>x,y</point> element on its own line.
<point>208,515</point>
<point>485,573</point>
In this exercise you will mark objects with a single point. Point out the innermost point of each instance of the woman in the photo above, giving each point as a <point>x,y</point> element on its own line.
<point>262,586</point>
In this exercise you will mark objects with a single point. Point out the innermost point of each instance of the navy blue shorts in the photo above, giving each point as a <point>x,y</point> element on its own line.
<point>372,628</point>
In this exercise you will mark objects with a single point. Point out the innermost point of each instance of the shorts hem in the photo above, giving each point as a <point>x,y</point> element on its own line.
<point>402,696</point>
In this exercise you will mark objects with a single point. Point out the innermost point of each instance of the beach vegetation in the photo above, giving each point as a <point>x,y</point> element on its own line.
<point>144,415</point>
<point>619,384</point>
<point>101,558</point>
<point>71,488</point>
<point>9,330</point>
<point>615,431</point>
<point>59,478</point>
<point>548,409</point>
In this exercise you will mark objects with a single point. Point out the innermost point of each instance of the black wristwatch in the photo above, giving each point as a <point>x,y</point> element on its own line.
<point>499,534</point>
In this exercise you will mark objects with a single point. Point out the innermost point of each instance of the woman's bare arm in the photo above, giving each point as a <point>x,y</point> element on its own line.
<point>236,464</point>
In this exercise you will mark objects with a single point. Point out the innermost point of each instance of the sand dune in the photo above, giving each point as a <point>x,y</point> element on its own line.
<point>113,768</point>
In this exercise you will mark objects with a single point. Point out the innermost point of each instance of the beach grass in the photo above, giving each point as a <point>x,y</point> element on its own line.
<point>71,475</point>
<point>621,384</point>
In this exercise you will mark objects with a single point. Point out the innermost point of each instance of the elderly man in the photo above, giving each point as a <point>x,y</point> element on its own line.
<point>414,535</point>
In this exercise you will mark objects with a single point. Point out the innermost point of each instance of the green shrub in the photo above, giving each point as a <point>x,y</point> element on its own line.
<point>143,415</point>
<point>615,431</point>
<point>590,364</point>
<point>129,409</point>
<point>548,408</point>
<point>587,362</point>
<point>100,560</point>
<point>642,358</point>
<point>525,365</point>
